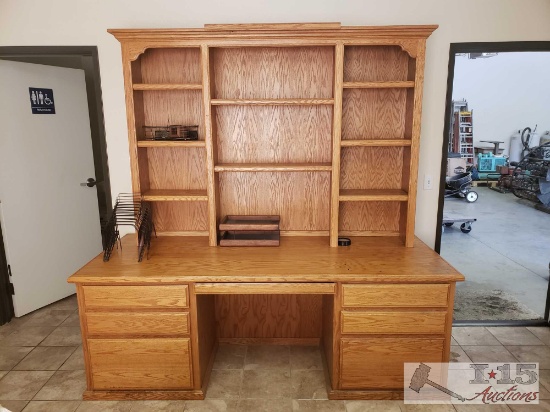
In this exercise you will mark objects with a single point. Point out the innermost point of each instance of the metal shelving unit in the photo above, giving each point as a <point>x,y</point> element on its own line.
<point>462,137</point>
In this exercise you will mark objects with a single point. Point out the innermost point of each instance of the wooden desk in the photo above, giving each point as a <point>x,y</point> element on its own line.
<point>150,330</point>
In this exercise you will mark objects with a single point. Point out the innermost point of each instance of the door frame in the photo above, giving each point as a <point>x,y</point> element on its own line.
<point>481,47</point>
<point>6,301</point>
<point>44,55</point>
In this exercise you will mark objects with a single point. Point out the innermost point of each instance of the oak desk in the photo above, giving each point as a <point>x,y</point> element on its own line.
<point>150,330</point>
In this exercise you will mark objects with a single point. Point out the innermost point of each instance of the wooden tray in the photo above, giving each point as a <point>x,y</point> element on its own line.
<point>250,222</point>
<point>250,238</point>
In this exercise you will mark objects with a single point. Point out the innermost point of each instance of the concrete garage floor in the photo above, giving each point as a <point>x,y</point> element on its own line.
<point>504,258</point>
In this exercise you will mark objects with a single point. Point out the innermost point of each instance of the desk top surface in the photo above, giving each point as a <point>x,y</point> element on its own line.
<point>297,259</point>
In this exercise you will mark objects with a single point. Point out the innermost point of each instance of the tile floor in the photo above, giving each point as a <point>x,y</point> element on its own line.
<point>42,370</point>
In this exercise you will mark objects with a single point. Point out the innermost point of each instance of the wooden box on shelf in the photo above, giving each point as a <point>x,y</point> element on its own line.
<point>250,230</point>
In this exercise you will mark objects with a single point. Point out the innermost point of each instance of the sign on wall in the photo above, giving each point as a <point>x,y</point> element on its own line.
<point>41,101</point>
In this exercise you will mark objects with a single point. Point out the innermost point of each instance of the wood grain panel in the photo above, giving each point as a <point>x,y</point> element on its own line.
<point>394,142</point>
<point>138,155</point>
<point>336,141</point>
<point>414,107</point>
<point>376,85</point>
<point>166,107</point>
<point>374,113</point>
<point>273,167</point>
<point>271,34</point>
<point>140,363</point>
<point>168,195</point>
<point>157,86</point>
<point>302,199</point>
<point>359,195</point>
<point>269,316</point>
<point>141,324</point>
<point>206,329</point>
<point>181,168</point>
<point>211,147</point>
<point>449,322</point>
<point>393,322</point>
<point>369,216</point>
<point>274,134</point>
<point>375,64</point>
<point>419,295</point>
<point>180,216</point>
<point>84,333</point>
<point>271,102</point>
<point>371,168</point>
<point>135,297</point>
<point>265,288</point>
<point>171,65</point>
<point>377,363</point>
<point>273,72</point>
<point>327,341</point>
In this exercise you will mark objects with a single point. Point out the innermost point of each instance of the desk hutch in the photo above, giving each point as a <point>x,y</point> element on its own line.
<point>316,123</point>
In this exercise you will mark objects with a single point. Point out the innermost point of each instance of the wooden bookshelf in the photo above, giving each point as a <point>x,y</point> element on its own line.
<point>314,123</point>
<point>320,127</point>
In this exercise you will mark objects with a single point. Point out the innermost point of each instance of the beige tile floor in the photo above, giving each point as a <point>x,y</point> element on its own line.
<point>42,369</point>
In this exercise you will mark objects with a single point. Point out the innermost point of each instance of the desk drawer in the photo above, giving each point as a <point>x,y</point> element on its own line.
<point>146,364</point>
<point>139,324</point>
<point>135,297</point>
<point>377,363</point>
<point>417,295</point>
<point>393,322</point>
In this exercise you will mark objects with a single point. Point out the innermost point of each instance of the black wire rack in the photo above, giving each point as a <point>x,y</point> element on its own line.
<point>129,210</point>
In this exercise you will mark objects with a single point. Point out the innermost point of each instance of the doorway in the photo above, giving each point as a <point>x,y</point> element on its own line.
<point>73,57</point>
<point>498,240</point>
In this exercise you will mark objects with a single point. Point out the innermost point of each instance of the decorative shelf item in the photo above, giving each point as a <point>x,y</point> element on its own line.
<point>250,230</point>
<point>171,133</point>
<point>250,222</point>
<point>171,143</point>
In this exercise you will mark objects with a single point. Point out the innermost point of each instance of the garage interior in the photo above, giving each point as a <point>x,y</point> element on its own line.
<point>496,221</point>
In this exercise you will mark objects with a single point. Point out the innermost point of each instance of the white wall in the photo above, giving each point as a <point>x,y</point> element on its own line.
<point>507,92</point>
<point>84,22</point>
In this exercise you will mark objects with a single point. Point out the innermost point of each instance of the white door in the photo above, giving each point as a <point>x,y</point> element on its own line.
<point>50,222</point>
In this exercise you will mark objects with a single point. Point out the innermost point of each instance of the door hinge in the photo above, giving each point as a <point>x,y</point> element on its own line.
<point>9,270</point>
<point>11,289</point>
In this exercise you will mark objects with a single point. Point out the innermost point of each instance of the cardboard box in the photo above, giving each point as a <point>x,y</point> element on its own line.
<point>455,166</point>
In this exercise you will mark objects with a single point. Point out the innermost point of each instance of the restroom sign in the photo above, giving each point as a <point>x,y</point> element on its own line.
<point>41,101</point>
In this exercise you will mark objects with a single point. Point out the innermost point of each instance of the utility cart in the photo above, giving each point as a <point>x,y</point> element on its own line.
<point>465,227</point>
